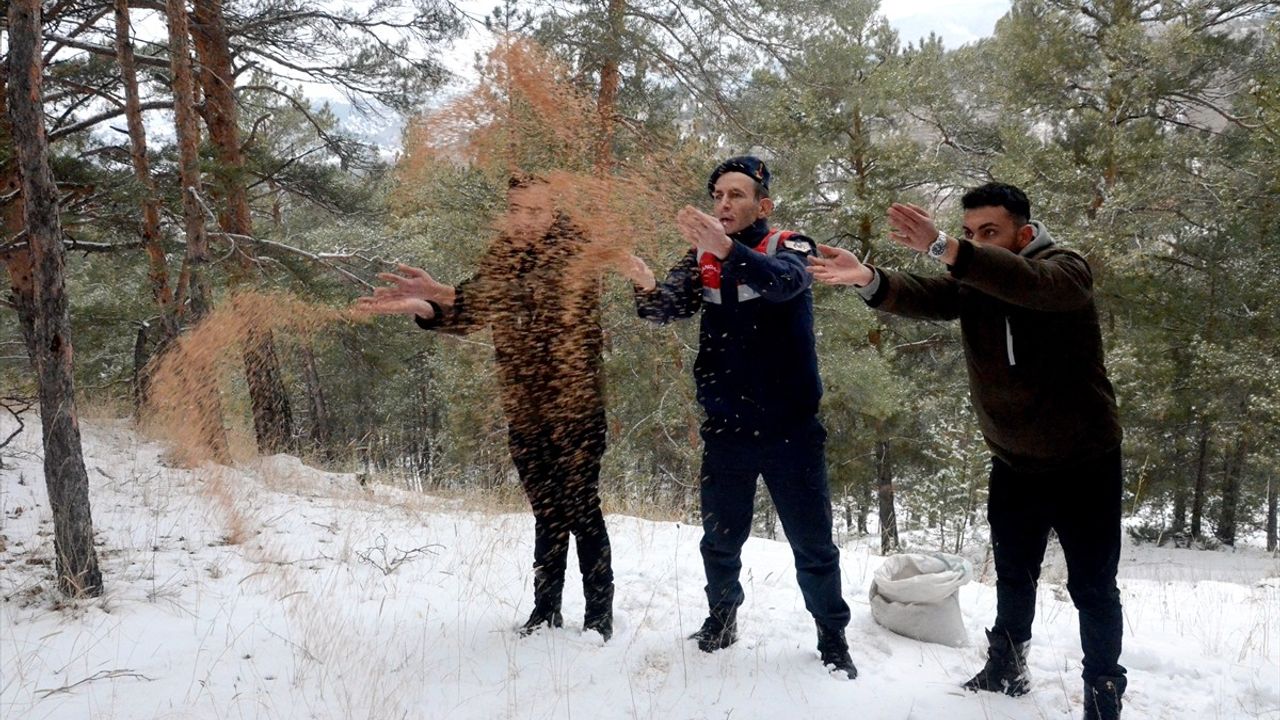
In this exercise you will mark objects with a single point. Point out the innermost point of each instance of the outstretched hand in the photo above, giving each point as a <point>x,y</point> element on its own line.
<point>637,271</point>
<point>912,226</point>
<point>836,266</point>
<point>415,282</point>
<point>703,232</point>
<point>374,305</point>
<point>410,293</point>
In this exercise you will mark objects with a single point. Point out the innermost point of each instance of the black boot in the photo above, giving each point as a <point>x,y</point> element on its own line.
<point>599,615</point>
<point>718,631</point>
<point>547,592</point>
<point>1006,668</point>
<point>1102,697</point>
<point>539,618</point>
<point>834,650</point>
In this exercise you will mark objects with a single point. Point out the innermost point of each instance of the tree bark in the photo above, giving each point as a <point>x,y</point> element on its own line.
<point>1179,511</point>
<point>140,371</point>
<point>157,267</point>
<point>65,476</point>
<point>610,78</point>
<point>193,285</point>
<point>884,485</point>
<point>1202,481</point>
<point>272,415</point>
<point>321,428</point>
<point>1232,470</point>
<point>864,505</point>
<point>158,271</point>
<point>16,262</point>
<point>217,82</point>
<point>1272,487</point>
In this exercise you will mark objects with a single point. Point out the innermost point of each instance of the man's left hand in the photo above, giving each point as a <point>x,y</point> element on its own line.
<point>703,232</point>
<point>398,305</point>
<point>637,270</point>
<point>912,226</point>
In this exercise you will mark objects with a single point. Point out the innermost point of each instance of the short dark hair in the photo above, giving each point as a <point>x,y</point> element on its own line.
<point>995,194</point>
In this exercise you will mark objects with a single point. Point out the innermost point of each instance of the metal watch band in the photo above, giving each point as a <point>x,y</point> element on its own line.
<point>938,247</point>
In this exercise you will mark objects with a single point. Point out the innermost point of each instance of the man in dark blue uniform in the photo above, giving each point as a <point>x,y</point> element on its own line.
<point>757,379</point>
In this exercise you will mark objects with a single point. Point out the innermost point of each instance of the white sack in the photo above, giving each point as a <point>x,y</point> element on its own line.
<point>918,596</point>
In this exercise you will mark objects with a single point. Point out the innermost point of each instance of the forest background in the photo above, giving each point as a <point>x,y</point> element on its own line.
<point>196,182</point>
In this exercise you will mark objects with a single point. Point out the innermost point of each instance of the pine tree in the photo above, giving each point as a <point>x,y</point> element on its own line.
<point>65,476</point>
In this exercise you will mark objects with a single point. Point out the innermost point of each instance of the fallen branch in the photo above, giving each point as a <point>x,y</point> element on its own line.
<point>388,563</point>
<point>15,406</point>
<point>100,675</point>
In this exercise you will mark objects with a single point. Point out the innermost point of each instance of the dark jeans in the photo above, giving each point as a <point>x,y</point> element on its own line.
<point>795,473</point>
<point>1081,502</point>
<point>559,466</point>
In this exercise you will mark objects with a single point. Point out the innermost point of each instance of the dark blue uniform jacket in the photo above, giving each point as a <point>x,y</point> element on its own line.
<point>757,368</point>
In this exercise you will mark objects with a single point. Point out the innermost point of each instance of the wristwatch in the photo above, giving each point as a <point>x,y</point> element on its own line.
<point>938,247</point>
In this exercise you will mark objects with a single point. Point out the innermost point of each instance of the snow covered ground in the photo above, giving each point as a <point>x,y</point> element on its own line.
<point>278,591</point>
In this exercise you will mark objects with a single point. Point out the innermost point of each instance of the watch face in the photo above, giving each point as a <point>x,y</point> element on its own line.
<point>939,247</point>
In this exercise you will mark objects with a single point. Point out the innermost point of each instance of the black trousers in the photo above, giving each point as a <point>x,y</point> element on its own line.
<point>559,467</point>
<point>1081,502</point>
<point>795,472</point>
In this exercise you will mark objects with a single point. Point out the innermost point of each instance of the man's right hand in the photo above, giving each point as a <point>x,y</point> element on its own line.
<point>415,282</point>
<point>410,293</point>
<point>837,266</point>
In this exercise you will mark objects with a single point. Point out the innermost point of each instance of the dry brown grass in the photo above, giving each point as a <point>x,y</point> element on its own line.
<point>188,393</point>
<point>526,117</point>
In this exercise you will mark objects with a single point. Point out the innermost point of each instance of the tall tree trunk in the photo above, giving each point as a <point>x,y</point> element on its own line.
<point>140,371</point>
<point>217,82</point>
<point>17,262</point>
<point>65,476</point>
<point>1179,510</point>
<point>862,171</point>
<point>193,285</point>
<point>610,77</point>
<point>272,416</point>
<point>158,271</point>
<point>1202,481</point>
<point>864,505</point>
<point>321,429</point>
<point>1233,468</point>
<point>884,486</point>
<point>193,282</point>
<point>1272,487</point>
<point>425,433</point>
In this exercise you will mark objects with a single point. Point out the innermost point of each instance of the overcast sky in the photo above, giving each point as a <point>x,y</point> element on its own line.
<point>957,21</point>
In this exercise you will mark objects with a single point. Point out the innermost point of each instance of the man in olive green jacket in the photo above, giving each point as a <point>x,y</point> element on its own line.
<point>1033,348</point>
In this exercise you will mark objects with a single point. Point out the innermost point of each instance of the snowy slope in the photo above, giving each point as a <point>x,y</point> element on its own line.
<point>308,615</point>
